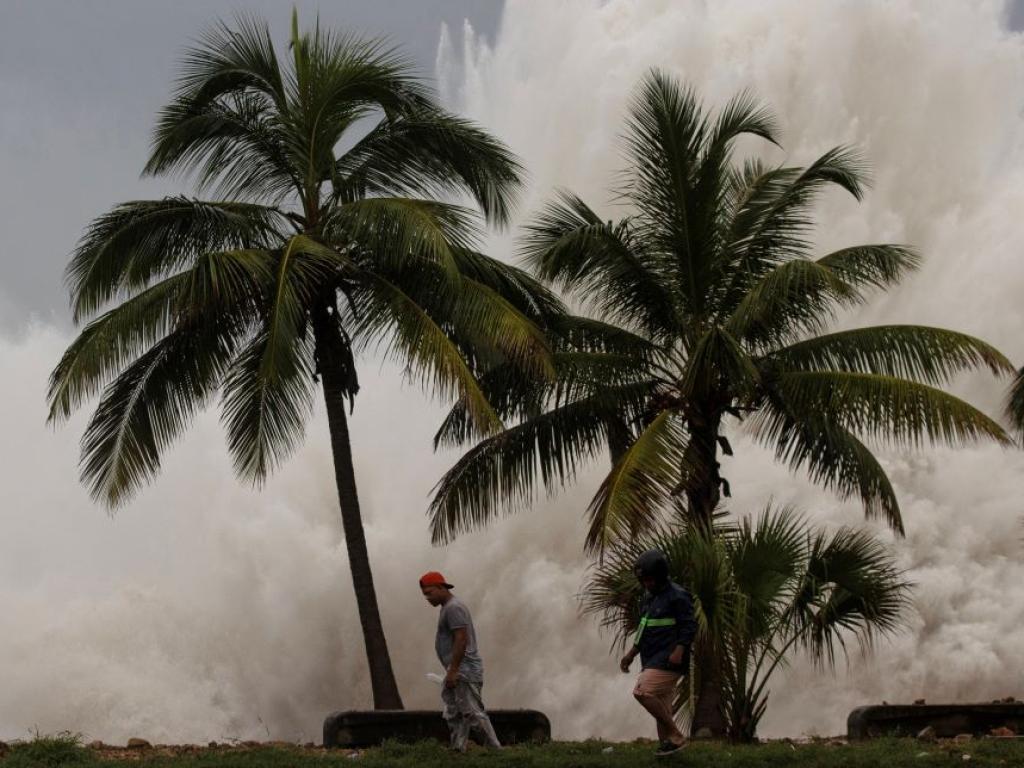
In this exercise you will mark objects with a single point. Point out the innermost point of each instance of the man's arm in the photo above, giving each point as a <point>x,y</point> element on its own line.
<point>634,647</point>
<point>460,638</point>
<point>627,660</point>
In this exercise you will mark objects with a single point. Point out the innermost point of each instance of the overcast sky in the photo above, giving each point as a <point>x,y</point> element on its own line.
<point>80,83</point>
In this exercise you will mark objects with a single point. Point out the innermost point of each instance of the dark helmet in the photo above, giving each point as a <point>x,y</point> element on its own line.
<point>652,564</point>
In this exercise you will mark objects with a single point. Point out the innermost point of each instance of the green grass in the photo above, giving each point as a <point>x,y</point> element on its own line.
<point>66,749</point>
<point>49,752</point>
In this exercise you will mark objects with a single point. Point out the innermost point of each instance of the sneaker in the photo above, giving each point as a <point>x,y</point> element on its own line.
<point>667,747</point>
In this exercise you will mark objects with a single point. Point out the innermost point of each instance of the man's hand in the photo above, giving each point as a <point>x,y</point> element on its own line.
<point>451,679</point>
<point>676,657</point>
<point>627,660</point>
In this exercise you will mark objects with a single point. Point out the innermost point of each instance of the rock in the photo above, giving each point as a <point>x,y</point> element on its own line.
<point>962,738</point>
<point>134,743</point>
<point>919,702</point>
<point>607,750</point>
<point>965,758</point>
<point>922,754</point>
<point>926,734</point>
<point>703,733</point>
<point>1003,733</point>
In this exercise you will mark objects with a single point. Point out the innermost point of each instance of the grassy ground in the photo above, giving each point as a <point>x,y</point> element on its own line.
<point>66,750</point>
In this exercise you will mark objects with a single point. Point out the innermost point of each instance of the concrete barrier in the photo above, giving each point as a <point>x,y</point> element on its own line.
<point>946,720</point>
<point>369,728</point>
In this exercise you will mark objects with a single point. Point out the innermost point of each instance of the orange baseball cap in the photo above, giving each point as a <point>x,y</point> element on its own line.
<point>434,579</point>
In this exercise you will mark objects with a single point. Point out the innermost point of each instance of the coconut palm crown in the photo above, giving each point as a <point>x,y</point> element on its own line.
<point>324,233</point>
<point>718,313</point>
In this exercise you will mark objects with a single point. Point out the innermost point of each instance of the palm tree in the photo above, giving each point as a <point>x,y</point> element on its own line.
<point>306,255</point>
<point>762,590</point>
<point>714,314</point>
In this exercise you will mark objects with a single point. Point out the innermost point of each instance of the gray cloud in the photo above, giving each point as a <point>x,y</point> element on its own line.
<point>80,84</point>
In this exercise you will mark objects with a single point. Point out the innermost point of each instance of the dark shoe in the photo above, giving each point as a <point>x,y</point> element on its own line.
<point>668,748</point>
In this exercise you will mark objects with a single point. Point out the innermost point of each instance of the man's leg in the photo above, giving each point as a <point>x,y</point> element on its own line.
<point>654,690</point>
<point>478,713</point>
<point>458,724</point>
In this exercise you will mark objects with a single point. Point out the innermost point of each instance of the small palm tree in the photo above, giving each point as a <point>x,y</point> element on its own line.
<point>323,238</point>
<point>762,590</point>
<point>713,313</point>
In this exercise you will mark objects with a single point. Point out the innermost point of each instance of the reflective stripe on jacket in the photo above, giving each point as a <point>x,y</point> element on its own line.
<point>666,620</point>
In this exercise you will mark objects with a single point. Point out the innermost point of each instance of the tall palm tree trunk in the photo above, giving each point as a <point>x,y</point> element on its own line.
<point>331,354</point>
<point>702,499</point>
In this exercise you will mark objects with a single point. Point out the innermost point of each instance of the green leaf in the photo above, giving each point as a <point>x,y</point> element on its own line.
<point>831,455</point>
<point>395,231</point>
<point>110,342</point>
<point>638,490</point>
<point>148,405</point>
<point>267,399</point>
<point>569,245</point>
<point>145,240</point>
<point>502,472</point>
<point>798,296</point>
<point>886,408</point>
<point>392,317</point>
<point>431,153</point>
<point>929,355</point>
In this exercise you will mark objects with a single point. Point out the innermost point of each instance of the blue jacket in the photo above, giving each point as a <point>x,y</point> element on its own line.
<point>672,623</point>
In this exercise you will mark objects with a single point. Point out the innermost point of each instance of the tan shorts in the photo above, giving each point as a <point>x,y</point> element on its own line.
<point>659,683</point>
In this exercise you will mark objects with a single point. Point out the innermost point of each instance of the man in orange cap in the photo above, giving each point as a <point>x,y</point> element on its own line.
<point>456,648</point>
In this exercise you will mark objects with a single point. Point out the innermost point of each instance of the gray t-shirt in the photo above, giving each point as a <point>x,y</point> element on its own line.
<point>454,614</point>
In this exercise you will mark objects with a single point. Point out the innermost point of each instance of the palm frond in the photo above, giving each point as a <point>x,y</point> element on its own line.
<point>638,490</point>
<point>390,316</point>
<point>148,405</point>
<point>765,553</point>
<point>267,398</point>
<point>851,585</point>
<point>433,154</point>
<point>234,147</point>
<point>268,391</point>
<point>589,335</point>
<point>872,266</point>
<point>392,231</point>
<point>929,355</point>
<point>109,342</point>
<point>517,395</point>
<point>886,408</point>
<point>517,286</point>
<point>144,240</point>
<point>571,247</point>
<point>831,454</point>
<point>226,60</point>
<point>797,296</point>
<point>502,473</point>
<point>768,219</point>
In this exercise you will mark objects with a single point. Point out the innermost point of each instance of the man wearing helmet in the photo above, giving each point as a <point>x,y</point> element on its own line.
<point>456,648</point>
<point>663,640</point>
